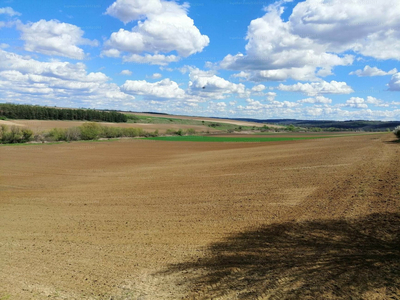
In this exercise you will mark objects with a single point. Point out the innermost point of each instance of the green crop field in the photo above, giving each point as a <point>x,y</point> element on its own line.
<point>195,138</point>
<point>230,139</point>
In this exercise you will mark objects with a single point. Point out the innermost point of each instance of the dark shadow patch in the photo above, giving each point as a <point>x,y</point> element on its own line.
<point>393,142</point>
<point>330,259</point>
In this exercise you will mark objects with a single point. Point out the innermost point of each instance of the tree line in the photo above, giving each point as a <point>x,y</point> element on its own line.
<point>35,112</point>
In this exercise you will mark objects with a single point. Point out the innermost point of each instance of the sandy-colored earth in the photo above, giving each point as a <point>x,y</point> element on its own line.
<point>236,122</point>
<point>44,125</point>
<point>141,219</point>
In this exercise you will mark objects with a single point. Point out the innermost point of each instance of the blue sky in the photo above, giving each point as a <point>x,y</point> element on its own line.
<point>313,59</point>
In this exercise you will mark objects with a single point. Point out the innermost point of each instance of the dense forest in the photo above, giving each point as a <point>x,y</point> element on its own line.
<point>30,112</point>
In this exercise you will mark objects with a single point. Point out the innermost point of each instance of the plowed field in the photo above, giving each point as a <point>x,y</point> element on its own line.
<point>141,219</point>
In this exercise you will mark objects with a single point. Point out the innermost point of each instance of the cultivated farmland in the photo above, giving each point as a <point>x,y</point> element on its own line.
<point>154,219</point>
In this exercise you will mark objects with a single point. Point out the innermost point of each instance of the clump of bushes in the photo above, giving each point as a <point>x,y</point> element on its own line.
<point>87,131</point>
<point>181,132</point>
<point>396,132</point>
<point>90,131</point>
<point>190,131</point>
<point>14,134</point>
<point>94,131</point>
<point>65,134</point>
<point>265,128</point>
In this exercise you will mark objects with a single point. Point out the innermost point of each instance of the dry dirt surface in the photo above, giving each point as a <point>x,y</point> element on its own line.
<point>45,125</point>
<point>140,219</point>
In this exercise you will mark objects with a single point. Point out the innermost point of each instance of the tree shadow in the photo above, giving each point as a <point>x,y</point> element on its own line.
<point>330,259</point>
<point>393,142</point>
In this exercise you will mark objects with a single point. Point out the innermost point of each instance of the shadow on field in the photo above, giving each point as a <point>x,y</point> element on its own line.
<point>393,142</point>
<point>309,260</point>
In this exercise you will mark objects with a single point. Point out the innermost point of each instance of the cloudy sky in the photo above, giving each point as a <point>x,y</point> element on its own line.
<point>313,59</point>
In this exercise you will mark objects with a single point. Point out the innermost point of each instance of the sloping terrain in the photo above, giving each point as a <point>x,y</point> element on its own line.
<point>141,219</point>
<point>45,125</point>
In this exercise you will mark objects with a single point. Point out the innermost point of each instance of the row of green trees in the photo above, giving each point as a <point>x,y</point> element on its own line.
<point>30,112</point>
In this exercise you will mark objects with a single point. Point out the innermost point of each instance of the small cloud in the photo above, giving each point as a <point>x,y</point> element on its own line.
<point>271,96</point>
<point>394,84</point>
<point>126,72</point>
<point>318,88</point>
<point>9,11</point>
<point>258,88</point>
<point>356,102</point>
<point>156,59</point>
<point>156,76</point>
<point>376,102</point>
<point>110,53</point>
<point>316,100</point>
<point>372,71</point>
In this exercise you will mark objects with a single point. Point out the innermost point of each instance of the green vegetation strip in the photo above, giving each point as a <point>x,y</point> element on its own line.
<point>239,139</point>
<point>230,139</point>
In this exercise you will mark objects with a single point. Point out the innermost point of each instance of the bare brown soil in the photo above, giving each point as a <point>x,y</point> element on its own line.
<point>140,219</point>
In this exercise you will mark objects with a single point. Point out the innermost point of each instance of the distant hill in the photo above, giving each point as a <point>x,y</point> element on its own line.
<point>343,125</point>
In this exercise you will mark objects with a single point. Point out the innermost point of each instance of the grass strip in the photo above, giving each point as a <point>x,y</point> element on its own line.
<point>196,138</point>
<point>230,139</point>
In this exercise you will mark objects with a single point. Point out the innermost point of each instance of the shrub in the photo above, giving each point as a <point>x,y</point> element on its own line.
<point>396,132</point>
<point>73,134</point>
<point>264,128</point>
<point>14,134</point>
<point>110,132</point>
<point>170,131</point>
<point>90,131</point>
<point>133,132</point>
<point>57,134</point>
<point>39,137</point>
<point>3,130</point>
<point>190,131</point>
<point>26,135</point>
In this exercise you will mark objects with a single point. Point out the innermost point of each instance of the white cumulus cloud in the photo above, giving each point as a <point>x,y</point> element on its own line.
<point>164,89</point>
<point>366,27</point>
<point>316,100</point>
<point>156,76</point>
<point>54,38</point>
<point>356,102</point>
<point>9,11</point>
<point>126,72</point>
<point>29,80</point>
<point>271,96</point>
<point>273,52</point>
<point>163,27</point>
<point>207,84</point>
<point>372,71</point>
<point>394,83</point>
<point>318,88</point>
<point>258,88</point>
<point>130,10</point>
<point>156,59</point>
